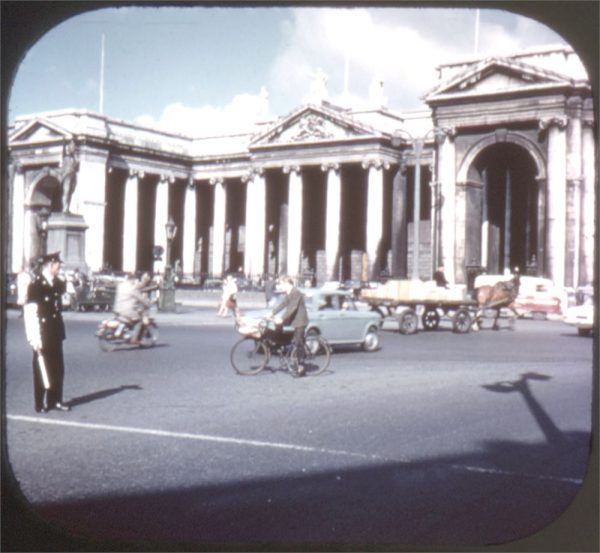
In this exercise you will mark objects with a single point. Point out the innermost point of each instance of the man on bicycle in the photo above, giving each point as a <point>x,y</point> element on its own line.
<point>295,315</point>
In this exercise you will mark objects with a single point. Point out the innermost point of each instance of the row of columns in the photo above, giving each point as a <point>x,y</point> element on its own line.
<point>570,199</point>
<point>255,218</point>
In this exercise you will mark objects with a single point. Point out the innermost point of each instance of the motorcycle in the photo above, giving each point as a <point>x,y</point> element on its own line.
<point>115,332</point>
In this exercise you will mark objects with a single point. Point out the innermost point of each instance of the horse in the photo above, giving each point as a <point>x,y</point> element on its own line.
<point>502,294</point>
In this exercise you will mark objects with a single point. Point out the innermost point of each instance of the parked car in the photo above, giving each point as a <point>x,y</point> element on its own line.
<point>334,315</point>
<point>538,297</point>
<point>582,316</point>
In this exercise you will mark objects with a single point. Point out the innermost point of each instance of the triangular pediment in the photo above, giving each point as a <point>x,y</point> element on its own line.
<point>313,124</point>
<point>494,76</point>
<point>39,130</point>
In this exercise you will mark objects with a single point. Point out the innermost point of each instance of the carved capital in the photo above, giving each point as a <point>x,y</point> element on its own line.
<point>375,164</point>
<point>166,178</point>
<point>216,180</point>
<point>330,167</point>
<point>289,168</point>
<point>559,121</point>
<point>190,183</point>
<point>252,173</point>
<point>137,173</point>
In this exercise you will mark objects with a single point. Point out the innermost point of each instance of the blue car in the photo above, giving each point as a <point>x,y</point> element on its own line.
<point>334,315</point>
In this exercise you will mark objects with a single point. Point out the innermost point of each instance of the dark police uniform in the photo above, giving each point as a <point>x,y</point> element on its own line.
<point>47,296</point>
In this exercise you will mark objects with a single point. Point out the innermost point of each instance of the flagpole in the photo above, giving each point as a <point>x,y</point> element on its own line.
<point>476,41</point>
<point>101,103</point>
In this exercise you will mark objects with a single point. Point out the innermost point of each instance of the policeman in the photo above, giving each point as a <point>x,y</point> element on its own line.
<point>45,331</point>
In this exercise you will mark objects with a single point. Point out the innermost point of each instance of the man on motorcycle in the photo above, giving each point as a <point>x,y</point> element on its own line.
<point>131,304</point>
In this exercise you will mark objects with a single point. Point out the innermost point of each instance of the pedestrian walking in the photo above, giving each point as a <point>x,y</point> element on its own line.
<point>45,331</point>
<point>269,288</point>
<point>295,315</point>
<point>229,298</point>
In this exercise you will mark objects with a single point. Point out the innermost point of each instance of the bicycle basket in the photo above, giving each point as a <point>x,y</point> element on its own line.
<point>249,327</point>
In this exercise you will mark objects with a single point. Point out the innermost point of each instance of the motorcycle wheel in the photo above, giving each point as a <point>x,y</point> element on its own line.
<point>149,336</point>
<point>107,342</point>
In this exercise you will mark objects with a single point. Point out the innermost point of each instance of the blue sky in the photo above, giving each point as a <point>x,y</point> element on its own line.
<point>186,68</point>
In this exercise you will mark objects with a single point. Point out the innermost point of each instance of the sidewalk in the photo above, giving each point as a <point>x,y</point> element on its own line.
<point>193,308</point>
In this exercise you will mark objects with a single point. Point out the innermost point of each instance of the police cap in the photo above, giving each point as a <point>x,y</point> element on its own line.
<point>50,258</point>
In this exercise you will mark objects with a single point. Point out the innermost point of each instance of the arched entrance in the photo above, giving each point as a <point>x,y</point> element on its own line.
<point>44,193</point>
<point>509,201</point>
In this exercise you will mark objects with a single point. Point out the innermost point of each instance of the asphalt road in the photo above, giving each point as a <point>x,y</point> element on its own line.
<point>437,439</point>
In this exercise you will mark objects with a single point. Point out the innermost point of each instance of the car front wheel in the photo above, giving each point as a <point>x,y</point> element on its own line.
<point>371,342</point>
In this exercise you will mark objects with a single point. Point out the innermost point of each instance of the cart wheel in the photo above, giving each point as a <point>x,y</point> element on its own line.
<point>409,322</point>
<point>462,321</point>
<point>430,319</point>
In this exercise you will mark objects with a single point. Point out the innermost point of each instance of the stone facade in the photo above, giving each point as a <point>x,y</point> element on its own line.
<point>504,160</point>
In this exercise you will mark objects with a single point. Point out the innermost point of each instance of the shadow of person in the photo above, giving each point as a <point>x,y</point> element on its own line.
<point>102,394</point>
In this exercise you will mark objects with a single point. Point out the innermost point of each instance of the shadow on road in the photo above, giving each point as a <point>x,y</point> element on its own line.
<point>504,492</point>
<point>102,394</point>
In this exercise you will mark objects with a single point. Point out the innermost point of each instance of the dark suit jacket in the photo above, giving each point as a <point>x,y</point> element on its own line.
<point>295,313</point>
<point>48,298</point>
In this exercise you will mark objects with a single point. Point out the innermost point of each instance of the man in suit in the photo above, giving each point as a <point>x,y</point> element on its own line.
<point>45,331</point>
<point>294,315</point>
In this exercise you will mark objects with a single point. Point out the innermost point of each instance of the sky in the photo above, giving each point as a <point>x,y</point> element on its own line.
<point>205,70</point>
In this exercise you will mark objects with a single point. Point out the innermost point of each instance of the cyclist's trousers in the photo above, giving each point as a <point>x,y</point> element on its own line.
<point>299,343</point>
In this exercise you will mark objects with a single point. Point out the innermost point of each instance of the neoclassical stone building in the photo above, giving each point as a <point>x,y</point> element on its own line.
<point>499,172</point>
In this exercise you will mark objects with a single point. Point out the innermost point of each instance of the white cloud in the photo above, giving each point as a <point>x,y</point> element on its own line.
<point>403,47</point>
<point>239,115</point>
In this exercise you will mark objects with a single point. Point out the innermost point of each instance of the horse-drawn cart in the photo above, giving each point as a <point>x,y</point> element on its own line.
<point>405,300</point>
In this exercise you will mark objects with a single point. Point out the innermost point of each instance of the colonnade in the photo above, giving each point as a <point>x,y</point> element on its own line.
<point>255,218</point>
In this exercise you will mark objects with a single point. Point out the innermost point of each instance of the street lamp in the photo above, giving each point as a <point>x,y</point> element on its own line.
<point>43,216</point>
<point>166,301</point>
<point>418,144</point>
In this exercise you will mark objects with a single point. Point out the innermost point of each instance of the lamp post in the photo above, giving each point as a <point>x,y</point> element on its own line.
<point>43,216</point>
<point>417,146</point>
<point>166,300</point>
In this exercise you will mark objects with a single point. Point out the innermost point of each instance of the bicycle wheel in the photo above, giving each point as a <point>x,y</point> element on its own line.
<point>149,336</point>
<point>249,356</point>
<point>317,356</point>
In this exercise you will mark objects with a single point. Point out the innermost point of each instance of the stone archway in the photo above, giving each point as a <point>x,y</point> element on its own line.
<point>504,205</point>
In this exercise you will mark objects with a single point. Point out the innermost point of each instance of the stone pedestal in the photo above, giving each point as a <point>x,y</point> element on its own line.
<point>66,234</point>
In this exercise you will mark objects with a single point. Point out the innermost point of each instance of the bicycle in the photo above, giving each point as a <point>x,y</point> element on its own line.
<point>252,354</point>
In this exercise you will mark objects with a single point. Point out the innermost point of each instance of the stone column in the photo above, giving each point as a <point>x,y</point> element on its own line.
<point>447,179</point>
<point>161,216</point>
<point>18,218</point>
<point>219,211</point>
<point>374,214</point>
<point>250,224</point>
<point>333,218</point>
<point>399,224</point>
<point>574,184</point>
<point>294,247</point>
<point>588,199</point>
<point>556,199</point>
<point>542,186</point>
<point>189,228</point>
<point>260,221</point>
<point>89,200</point>
<point>130,222</point>
<point>256,214</point>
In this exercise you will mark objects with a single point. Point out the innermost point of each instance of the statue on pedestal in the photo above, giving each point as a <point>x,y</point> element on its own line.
<point>70,166</point>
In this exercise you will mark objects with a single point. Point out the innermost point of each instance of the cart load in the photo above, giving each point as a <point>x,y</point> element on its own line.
<point>431,301</point>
